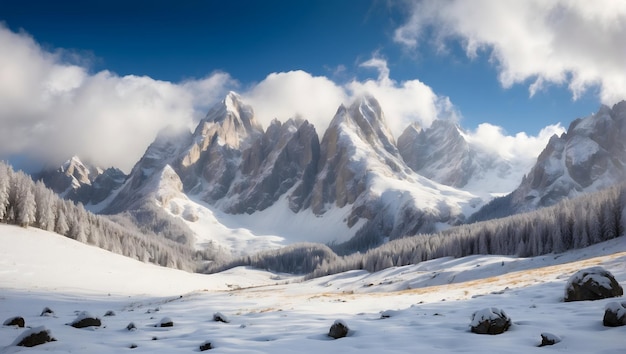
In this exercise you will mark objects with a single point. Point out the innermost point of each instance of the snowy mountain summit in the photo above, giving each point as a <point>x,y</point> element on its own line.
<point>445,153</point>
<point>82,182</point>
<point>589,157</point>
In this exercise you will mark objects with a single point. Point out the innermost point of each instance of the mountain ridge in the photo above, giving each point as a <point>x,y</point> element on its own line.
<point>357,169</point>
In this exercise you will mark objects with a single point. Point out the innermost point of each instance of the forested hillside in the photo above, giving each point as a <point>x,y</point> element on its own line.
<point>30,204</point>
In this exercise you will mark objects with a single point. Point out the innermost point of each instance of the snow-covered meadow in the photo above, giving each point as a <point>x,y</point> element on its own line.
<point>426,307</point>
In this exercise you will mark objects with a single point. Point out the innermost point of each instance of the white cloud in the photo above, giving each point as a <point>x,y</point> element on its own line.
<point>316,98</point>
<point>51,110</point>
<point>295,93</point>
<point>577,43</point>
<point>520,147</point>
<point>405,102</point>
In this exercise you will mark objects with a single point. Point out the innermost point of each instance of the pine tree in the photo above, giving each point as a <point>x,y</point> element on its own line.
<point>26,207</point>
<point>5,183</point>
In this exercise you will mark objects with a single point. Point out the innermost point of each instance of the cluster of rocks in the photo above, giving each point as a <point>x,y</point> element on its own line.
<point>40,335</point>
<point>588,284</point>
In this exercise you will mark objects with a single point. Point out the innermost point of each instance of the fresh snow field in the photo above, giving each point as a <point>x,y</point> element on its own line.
<point>428,305</point>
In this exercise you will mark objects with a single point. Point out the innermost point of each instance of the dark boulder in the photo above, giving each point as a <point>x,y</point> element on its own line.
<point>15,321</point>
<point>109,313</point>
<point>490,321</point>
<point>205,346</point>
<point>85,319</point>
<point>338,330</point>
<point>47,312</point>
<point>549,339</point>
<point>219,317</point>
<point>615,314</point>
<point>34,336</point>
<point>593,283</point>
<point>165,322</point>
<point>131,327</point>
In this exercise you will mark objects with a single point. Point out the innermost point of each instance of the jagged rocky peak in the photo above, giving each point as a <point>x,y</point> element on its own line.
<point>285,156</point>
<point>71,175</point>
<point>82,182</point>
<point>365,112</point>
<point>83,174</point>
<point>229,121</point>
<point>356,143</point>
<point>589,157</point>
<point>439,152</point>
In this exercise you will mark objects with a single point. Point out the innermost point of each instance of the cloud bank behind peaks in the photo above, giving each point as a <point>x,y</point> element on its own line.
<point>576,43</point>
<point>51,110</point>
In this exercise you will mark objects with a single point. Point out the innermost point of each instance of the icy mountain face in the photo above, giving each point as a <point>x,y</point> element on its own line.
<point>589,157</point>
<point>82,182</point>
<point>444,154</point>
<point>285,156</point>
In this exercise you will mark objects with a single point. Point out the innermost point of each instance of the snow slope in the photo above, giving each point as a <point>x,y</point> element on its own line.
<point>428,306</point>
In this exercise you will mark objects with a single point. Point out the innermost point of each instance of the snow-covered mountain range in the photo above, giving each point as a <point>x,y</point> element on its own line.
<point>247,188</point>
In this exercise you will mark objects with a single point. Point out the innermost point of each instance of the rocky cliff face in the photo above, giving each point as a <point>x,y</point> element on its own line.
<point>285,156</point>
<point>589,157</point>
<point>209,165</point>
<point>356,144</point>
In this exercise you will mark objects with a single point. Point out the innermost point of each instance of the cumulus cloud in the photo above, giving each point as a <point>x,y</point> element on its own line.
<point>316,98</point>
<point>51,110</point>
<point>520,147</point>
<point>403,102</point>
<point>295,94</point>
<point>575,43</point>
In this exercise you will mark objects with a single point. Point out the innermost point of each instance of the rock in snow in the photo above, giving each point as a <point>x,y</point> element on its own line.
<point>219,317</point>
<point>549,339</point>
<point>205,346</point>
<point>593,283</point>
<point>15,321</point>
<point>85,319</point>
<point>33,337</point>
<point>615,314</point>
<point>490,321</point>
<point>339,329</point>
<point>165,322</point>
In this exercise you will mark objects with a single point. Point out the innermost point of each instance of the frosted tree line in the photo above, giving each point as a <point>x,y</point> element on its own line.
<point>27,203</point>
<point>300,258</point>
<point>573,223</point>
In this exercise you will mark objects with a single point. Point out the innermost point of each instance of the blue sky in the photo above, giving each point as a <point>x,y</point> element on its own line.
<point>480,59</point>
